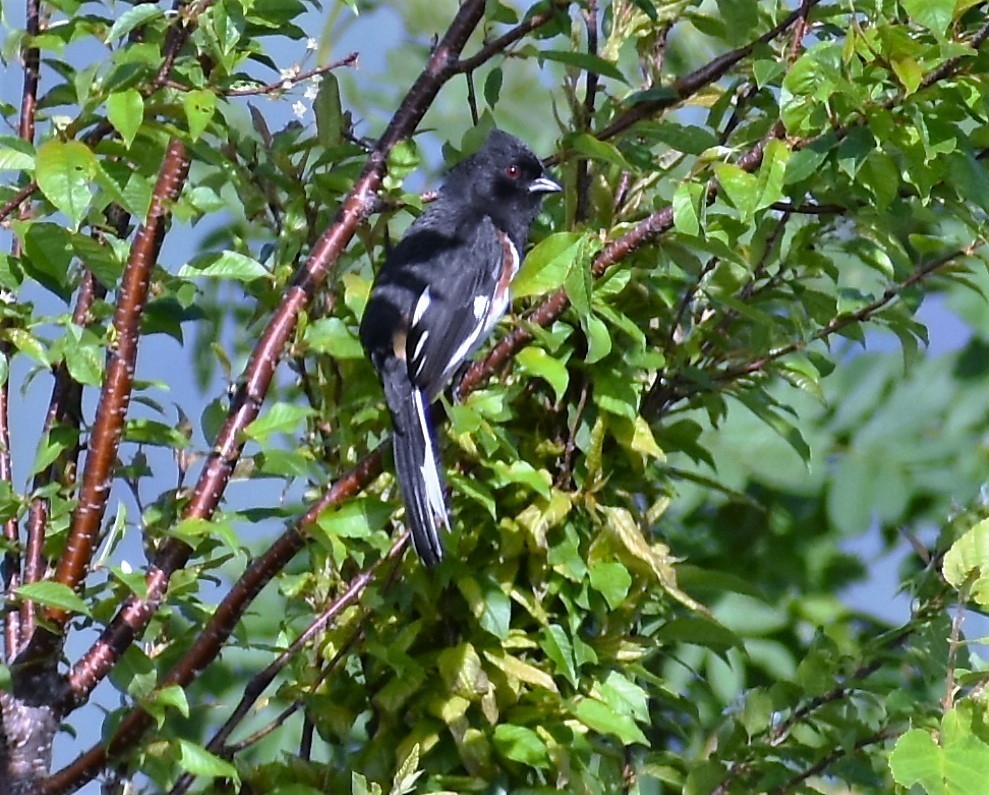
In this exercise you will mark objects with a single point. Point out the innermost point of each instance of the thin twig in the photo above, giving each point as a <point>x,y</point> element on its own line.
<point>286,83</point>
<point>587,113</point>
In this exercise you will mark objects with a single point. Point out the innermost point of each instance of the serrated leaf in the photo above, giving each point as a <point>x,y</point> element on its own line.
<point>125,110</point>
<point>224,265</point>
<point>63,171</point>
<point>54,594</point>
<point>170,696</point>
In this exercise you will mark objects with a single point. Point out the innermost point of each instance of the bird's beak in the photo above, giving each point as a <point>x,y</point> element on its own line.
<point>544,185</point>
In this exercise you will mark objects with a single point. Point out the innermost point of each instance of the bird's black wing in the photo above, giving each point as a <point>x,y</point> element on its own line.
<point>450,316</point>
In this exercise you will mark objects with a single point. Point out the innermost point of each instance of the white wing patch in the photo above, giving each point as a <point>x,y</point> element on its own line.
<point>421,306</point>
<point>430,477</point>
<point>418,350</point>
<point>480,306</point>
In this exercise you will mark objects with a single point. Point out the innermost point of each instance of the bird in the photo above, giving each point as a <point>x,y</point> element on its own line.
<point>433,303</point>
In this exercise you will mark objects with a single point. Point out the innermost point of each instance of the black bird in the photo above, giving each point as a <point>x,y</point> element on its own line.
<point>436,299</point>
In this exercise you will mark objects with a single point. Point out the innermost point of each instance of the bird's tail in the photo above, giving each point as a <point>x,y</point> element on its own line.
<point>416,464</point>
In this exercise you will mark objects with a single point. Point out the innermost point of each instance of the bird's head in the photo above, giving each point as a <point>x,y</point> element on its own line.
<point>505,180</point>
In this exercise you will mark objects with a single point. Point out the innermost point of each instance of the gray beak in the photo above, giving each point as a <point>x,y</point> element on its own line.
<point>544,185</point>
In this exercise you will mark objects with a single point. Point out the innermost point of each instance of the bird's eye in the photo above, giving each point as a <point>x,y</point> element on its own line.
<point>513,171</point>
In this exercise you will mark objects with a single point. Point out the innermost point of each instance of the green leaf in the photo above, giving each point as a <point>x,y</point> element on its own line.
<point>547,265</point>
<point>600,717</point>
<point>582,60</point>
<point>655,558</point>
<point>741,188</point>
<point>535,361</point>
<point>523,671</point>
<point>935,15</point>
<point>688,207</point>
<point>966,563</point>
<point>490,605</point>
<point>492,86</point>
<point>596,149</point>
<point>557,646</point>
<point>408,774</point>
<point>133,18</point>
<point>198,761</point>
<point>199,106</point>
<point>16,154</point>
<point>152,432</point>
<point>611,580</point>
<point>330,335</point>
<point>54,594</point>
<point>956,766</point>
<point>327,111</point>
<point>158,701</point>
<point>280,418</point>
<point>357,518</point>
<point>125,110</point>
<point>28,344</point>
<point>521,744</point>
<point>687,139</point>
<point>772,172</point>
<point>63,172</point>
<point>49,254</point>
<point>224,265</point>
<point>598,338</point>
<point>84,356</point>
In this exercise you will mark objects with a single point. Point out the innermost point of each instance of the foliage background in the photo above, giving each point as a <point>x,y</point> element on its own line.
<point>657,475</point>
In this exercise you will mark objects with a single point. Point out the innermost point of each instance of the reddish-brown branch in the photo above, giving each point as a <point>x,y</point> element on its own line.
<point>122,359</point>
<point>64,410</point>
<point>262,364</point>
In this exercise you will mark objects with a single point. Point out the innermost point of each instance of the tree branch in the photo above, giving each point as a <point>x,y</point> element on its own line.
<point>114,399</point>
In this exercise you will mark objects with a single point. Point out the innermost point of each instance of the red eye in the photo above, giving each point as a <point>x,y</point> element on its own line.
<point>513,171</point>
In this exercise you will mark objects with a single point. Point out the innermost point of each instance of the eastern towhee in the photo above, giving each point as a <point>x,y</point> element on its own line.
<point>436,299</point>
